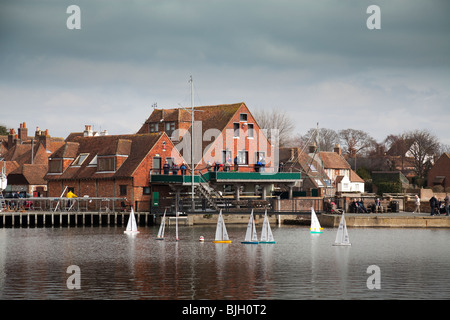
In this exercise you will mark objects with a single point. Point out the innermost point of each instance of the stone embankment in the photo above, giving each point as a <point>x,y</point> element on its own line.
<point>387,220</point>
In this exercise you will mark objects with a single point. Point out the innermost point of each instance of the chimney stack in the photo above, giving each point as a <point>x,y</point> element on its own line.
<point>23,132</point>
<point>88,131</point>
<point>337,149</point>
<point>11,138</point>
<point>44,138</point>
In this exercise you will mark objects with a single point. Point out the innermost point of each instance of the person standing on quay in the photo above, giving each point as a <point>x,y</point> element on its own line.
<point>446,204</point>
<point>433,205</point>
<point>417,203</point>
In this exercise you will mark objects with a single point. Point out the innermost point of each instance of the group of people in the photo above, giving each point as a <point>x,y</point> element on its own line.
<point>357,206</point>
<point>440,207</point>
<point>174,168</point>
<point>217,166</point>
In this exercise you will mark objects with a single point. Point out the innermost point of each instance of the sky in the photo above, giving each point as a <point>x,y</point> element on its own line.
<point>317,61</point>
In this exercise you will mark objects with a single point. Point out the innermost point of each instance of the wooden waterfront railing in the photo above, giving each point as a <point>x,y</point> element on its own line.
<point>94,204</point>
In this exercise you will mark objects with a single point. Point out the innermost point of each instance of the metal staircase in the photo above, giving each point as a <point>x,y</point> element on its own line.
<point>207,192</point>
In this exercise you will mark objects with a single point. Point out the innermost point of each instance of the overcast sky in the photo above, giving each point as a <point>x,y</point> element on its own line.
<point>315,60</point>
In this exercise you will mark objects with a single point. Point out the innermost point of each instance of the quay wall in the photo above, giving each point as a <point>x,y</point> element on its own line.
<point>385,221</point>
<point>70,219</point>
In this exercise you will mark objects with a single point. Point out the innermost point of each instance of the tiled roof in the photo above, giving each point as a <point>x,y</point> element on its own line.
<point>296,158</point>
<point>216,116</point>
<point>332,160</point>
<point>211,117</point>
<point>34,173</point>
<point>354,177</point>
<point>68,150</point>
<point>135,146</point>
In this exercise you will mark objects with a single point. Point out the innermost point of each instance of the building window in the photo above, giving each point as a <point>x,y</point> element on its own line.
<point>93,162</point>
<point>153,127</point>
<point>122,190</point>
<point>146,190</point>
<point>80,159</point>
<point>156,165</point>
<point>227,156</point>
<point>242,157</point>
<point>170,128</point>
<point>106,164</point>
<point>55,166</point>
<point>250,133</point>
<point>236,130</point>
<point>242,117</point>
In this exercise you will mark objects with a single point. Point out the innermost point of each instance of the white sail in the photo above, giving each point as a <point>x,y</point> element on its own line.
<point>221,230</point>
<point>266,233</point>
<point>315,224</point>
<point>3,182</point>
<point>162,227</point>
<point>250,235</point>
<point>132,225</point>
<point>342,238</point>
<point>3,179</point>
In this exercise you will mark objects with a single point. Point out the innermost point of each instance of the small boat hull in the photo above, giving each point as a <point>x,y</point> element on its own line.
<point>250,242</point>
<point>160,238</point>
<point>268,242</point>
<point>222,241</point>
<point>342,244</point>
<point>130,232</point>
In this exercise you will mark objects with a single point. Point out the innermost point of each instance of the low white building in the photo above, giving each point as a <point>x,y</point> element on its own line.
<point>342,177</point>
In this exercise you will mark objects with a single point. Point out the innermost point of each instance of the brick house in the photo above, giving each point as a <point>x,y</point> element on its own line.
<point>110,166</point>
<point>221,133</point>
<point>439,174</point>
<point>314,180</point>
<point>341,175</point>
<point>323,173</point>
<point>26,160</point>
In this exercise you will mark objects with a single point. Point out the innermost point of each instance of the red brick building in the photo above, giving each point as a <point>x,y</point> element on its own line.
<point>439,174</point>
<point>110,166</point>
<point>221,134</point>
<point>26,160</point>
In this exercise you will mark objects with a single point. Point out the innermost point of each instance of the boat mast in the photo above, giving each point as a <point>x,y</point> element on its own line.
<point>192,143</point>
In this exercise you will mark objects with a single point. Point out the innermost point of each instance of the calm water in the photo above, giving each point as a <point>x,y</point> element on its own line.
<point>414,264</point>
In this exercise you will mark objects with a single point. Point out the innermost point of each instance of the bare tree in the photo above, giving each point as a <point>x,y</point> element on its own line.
<point>423,149</point>
<point>355,141</point>
<point>278,120</point>
<point>326,140</point>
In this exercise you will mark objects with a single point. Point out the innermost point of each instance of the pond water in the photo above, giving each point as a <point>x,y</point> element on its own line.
<point>413,264</point>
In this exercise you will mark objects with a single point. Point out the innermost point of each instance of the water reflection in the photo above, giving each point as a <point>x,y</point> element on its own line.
<point>341,259</point>
<point>33,264</point>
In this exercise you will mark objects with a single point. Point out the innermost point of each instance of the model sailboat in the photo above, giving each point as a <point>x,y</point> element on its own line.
<point>266,233</point>
<point>221,231</point>
<point>162,227</point>
<point>132,225</point>
<point>250,236</point>
<point>342,238</point>
<point>315,225</point>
